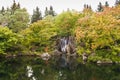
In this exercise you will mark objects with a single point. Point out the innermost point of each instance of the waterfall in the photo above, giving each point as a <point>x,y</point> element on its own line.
<point>65,55</point>
<point>64,43</point>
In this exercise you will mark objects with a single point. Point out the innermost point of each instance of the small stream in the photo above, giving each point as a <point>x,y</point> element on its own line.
<point>33,68</point>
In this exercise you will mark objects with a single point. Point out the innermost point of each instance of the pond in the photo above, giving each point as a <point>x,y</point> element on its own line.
<point>33,68</point>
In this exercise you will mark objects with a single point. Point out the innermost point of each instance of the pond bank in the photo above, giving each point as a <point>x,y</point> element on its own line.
<point>39,56</point>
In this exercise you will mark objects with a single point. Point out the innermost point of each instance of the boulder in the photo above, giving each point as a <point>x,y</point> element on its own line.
<point>104,62</point>
<point>45,56</point>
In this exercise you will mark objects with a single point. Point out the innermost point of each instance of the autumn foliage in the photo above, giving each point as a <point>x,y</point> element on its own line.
<point>95,33</point>
<point>99,32</point>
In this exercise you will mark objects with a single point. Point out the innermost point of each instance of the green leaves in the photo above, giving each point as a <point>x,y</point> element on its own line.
<point>7,39</point>
<point>100,33</point>
<point>39,34</point>
<point>17,21</point>
<point>65,22</point>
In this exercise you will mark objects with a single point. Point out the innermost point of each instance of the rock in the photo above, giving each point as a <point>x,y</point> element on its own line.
<point>117,62</point>
<point>65,53</point>
<point>43,71</point>
<point>84,57</point>
<point>104,62</point>
<point>45,56</point>
<point>119,54</point>
<point>99,62</point>
<point>56,53</point>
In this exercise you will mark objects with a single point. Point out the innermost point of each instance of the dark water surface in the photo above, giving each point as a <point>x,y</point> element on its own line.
<point>29,68</point>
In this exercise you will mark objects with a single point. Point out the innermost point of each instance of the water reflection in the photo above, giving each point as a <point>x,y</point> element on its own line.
<point>35,69</point>
<point>30,73</point>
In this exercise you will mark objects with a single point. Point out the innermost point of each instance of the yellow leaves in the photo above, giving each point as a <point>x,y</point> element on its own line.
<point>83,20</point>
<point>79,33</point>
<point>26,31</point>
<point>94,46</point>
<point>98,30</point>
<point>7,39</point>
<point>39,33</point>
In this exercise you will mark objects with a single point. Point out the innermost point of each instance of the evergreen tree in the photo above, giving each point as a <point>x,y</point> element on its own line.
<point>100,7</point>
<point>15,19</point>
<point>18,21</point>
<point>68,10</point>
<point>13,7</point>
<point>89,7</point>
<point>36,15</point>
<point>117,2</point>
<point>51,11</point>
<point>8,9</point>
<point>86,6</point>
<point>106,4</point>
<point>3,10</point>
<point>46,11</point>
<point>18,5</point>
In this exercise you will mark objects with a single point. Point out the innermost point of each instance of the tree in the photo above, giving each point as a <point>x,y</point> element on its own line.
<point>100,7</point>
<point>51,11</point>
<point>18,5</point>
<point>99,33</point>
<point>46,11</point>
<point>3,10</point>
<point>65,22</point>
<point>117,2</point>
<point>38,35</point>
<point>7,39</point>
<point>87,9</point>
<point>106,4</point>
<point>86,6</point>
<point>36,15</point>
<point>4,17</point>
<point>19,20</point>
<point>13,7</point>
<point>8,9</point>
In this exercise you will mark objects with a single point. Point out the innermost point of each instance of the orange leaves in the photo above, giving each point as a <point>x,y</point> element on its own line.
<point>79,33</point>
<point>83,20</point>
<point>99,29</point>
<point>94,46</point>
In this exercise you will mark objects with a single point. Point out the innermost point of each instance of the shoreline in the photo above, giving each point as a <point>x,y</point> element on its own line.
<point>99,62</point>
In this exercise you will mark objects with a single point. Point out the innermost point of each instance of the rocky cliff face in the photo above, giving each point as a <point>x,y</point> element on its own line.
<point>65,53</point>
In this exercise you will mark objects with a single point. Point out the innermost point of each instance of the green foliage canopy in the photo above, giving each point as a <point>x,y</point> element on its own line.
<point>7,39</point>
<point>39,34</point>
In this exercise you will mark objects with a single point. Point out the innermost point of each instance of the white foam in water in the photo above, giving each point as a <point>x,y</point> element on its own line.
<point>60,73</point>
<point>30,72</point>
<point>63,44</point>
<point>33,78</point>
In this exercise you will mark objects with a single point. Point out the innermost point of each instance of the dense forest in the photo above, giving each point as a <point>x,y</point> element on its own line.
<point>96,33</point>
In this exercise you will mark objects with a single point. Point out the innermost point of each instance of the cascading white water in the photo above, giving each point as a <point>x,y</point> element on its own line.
<point>30,73</point>
<point>64,43</point>
<point>65,54</point>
